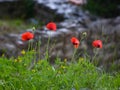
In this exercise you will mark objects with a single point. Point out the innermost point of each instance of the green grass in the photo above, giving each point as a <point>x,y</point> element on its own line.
<point>16,25</point>
<point>16,74</point>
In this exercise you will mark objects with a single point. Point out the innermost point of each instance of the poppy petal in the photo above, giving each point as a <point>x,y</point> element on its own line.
<point>75,42</point>
<point>51,26</point>
<point>27,36</point>
<point>97,43</point>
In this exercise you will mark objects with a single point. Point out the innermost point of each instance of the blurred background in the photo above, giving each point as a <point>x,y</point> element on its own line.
<point>39,12</point>
<point>100,19</point>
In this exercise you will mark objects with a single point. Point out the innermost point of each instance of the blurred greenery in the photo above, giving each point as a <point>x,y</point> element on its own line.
<point>104,8</point>
<point>16,25</point>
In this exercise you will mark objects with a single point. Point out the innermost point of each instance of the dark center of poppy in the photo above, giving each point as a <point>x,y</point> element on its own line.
<point>27,38</point>
<point>98,45</point>
<point>75,43</point>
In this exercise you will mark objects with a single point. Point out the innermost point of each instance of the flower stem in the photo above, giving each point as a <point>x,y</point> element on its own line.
<point>93,60</point>
<point>47,51</point>
<point>73,60</point>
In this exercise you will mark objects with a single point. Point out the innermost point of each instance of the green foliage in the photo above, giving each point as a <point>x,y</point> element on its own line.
<point>16,25</point>
<point>16,74</point>
<point>104,8</point>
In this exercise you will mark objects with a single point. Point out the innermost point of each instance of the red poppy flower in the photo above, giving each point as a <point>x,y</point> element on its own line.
<point>97,43</point>
<point>51,26</point>
<point>27,36</point>
<point>75,42</point>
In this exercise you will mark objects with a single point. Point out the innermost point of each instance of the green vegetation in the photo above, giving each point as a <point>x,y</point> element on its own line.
<point>17,74</point>
<point>16,25</point>
<point>104,8</point>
